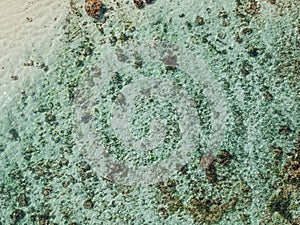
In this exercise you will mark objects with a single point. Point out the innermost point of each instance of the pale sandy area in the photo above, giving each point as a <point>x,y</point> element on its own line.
<point>30,32</point>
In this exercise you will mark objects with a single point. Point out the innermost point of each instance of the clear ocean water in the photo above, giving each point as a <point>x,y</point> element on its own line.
<point>182,112</point>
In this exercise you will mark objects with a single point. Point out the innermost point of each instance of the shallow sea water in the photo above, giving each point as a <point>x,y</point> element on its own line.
<point>183,112</point>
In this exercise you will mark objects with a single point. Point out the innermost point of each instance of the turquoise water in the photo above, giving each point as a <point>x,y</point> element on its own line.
<point>152,116</point>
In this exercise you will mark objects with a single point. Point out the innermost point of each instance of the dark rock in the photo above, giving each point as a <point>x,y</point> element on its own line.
<point>79,63</point>
<point>88,51</point>
<point>199,20</point>
<point>247,30</point>
<point>18,214</point>
<point>139,4</point>
<point>14,134</point>
<point>88,204</point>
<point>253,52</point>
<point>49,118</point>
<point>149,1</point>
<point>284,129</point>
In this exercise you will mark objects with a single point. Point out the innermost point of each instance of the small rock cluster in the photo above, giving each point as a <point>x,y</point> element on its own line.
<point>141,4</point>
<point>93,8</point>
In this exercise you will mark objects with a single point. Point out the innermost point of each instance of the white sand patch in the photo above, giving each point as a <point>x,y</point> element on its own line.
<point>30,32</point>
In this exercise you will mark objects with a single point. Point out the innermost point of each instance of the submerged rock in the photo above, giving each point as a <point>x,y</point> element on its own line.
<point>93,8</point>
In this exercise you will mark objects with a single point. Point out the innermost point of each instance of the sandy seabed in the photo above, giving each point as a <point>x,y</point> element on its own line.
<point>29,38</point>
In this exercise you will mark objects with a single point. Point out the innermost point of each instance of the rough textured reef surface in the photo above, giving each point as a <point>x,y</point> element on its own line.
<point>93,8</point>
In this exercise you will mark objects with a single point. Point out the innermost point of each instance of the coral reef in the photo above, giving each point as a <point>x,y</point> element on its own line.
<point>93,8</point>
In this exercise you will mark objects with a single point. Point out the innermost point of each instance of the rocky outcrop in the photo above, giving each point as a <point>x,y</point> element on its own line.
<point>93,8</point>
